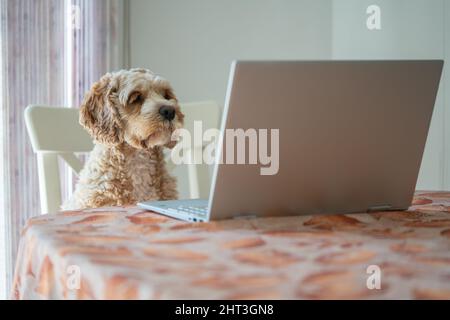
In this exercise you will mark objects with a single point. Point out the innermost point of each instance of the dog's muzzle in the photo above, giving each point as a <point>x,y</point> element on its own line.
<point>167,112</point>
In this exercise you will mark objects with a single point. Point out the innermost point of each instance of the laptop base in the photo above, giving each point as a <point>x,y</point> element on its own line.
<point>193,210</point>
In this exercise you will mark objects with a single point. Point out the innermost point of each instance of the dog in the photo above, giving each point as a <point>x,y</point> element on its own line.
<point>131,115</point>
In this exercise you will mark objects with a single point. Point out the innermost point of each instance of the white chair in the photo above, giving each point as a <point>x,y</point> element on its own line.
<point>55,132</point>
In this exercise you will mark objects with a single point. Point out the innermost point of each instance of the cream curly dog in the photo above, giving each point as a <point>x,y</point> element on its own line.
<point>131,114</point>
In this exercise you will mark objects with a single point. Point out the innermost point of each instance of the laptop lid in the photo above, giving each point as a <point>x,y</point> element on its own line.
<point>351,136</point>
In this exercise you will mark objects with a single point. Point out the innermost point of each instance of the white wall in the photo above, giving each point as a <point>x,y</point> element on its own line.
<point>410,29</point>
<point>193,42</point>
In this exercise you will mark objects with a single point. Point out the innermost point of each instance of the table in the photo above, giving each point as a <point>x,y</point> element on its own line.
<point>128,253</point>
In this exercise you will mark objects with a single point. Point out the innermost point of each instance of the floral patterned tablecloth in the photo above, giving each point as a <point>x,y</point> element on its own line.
<point>128,253</point>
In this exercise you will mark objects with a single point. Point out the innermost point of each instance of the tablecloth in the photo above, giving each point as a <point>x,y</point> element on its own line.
<point>129,253</point>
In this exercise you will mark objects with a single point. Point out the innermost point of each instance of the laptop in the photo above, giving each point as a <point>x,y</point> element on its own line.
<point>351,135</point>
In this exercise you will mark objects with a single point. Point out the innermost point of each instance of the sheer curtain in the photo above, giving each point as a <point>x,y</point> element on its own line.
<point>51,51</point>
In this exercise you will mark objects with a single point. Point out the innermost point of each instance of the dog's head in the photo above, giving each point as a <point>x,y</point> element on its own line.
<point>133,106</point>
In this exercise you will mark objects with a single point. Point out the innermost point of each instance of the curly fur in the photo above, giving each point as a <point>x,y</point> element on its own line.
<point>121,112</point>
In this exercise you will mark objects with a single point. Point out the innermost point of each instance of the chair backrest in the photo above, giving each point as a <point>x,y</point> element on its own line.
<point>55,132</point>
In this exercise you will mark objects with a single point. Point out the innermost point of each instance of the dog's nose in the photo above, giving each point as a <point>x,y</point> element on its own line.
<point>168,112</point>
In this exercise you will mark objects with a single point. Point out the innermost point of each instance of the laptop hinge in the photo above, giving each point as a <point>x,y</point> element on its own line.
<point>379,208</point>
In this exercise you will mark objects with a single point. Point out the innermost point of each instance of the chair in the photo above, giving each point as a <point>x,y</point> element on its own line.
<point>55,132</point>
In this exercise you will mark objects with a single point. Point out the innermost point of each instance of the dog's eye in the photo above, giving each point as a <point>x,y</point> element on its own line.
<point>167,95</point>
<point>135,97</point>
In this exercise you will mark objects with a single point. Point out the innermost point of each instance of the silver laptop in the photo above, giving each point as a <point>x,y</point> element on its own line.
<point>351,138</point>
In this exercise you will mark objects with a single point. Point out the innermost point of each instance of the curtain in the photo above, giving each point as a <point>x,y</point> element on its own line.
<point>51,51</point>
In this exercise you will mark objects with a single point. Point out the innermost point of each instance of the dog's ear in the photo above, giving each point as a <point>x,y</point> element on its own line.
<point>98,114</point>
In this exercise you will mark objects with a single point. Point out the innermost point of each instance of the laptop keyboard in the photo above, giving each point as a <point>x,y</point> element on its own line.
<point>199,210</point>
<point>189,210</point>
